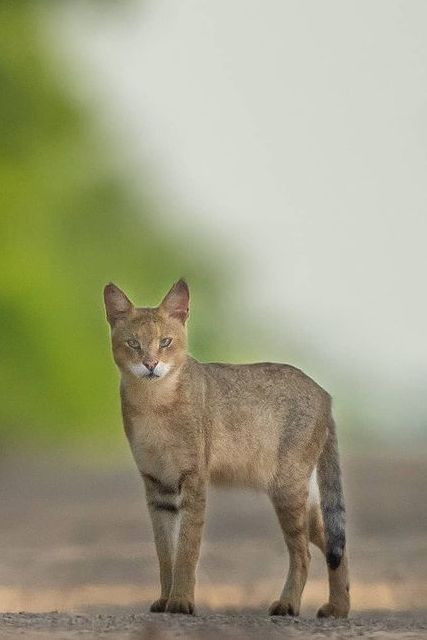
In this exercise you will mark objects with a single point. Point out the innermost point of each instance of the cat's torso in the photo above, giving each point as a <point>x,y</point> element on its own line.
<point>236,422</point>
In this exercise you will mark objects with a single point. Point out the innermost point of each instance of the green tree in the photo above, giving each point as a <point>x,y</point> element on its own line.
<point>67,227</point>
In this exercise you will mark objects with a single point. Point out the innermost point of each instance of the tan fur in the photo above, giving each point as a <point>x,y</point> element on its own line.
<point>262,426</point>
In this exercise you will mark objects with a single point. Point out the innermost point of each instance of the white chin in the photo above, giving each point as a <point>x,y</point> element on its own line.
<point>162,369</point>
<point>138,370</point>
<point>141,371</point>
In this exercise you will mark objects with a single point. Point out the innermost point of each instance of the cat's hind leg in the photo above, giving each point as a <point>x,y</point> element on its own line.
<point>290,504</point>
<point>338,605</point>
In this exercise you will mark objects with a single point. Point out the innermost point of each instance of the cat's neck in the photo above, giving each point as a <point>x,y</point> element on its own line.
<point>151,394</point>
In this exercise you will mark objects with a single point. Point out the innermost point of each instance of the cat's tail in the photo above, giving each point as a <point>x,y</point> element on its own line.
<point>331,497</point>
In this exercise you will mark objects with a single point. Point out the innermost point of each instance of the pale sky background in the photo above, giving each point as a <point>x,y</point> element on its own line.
<point>293,135</point>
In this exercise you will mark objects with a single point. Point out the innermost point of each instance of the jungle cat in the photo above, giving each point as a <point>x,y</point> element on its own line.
<point>265,426</point>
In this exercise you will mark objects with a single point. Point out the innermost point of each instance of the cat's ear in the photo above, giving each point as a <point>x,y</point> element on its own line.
<point>117,304</point>
<point>176,303</point>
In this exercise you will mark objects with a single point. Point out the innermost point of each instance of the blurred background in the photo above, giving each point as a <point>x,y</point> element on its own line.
<point>274,154</point>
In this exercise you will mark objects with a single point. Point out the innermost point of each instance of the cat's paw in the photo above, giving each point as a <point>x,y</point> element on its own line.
<point>181,605</point>
<point>282,608</point>
<point>159,605</point>
<point>329,610</point>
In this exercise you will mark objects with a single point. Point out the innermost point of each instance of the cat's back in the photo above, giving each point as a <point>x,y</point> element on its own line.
<point>264,382</point>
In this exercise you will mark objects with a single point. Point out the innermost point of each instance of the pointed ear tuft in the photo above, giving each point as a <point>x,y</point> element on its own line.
<point>117,304</point>
<point>176,303</point>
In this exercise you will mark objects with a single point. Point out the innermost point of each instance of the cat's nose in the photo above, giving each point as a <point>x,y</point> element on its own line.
<point>151,364</point>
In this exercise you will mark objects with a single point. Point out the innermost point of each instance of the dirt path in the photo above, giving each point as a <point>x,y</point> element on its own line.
<point>207,627</point>
<point>79,540</point>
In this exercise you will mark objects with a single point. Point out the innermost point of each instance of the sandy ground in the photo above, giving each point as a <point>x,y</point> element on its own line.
<point>79,541</point>
<point>55,626</point>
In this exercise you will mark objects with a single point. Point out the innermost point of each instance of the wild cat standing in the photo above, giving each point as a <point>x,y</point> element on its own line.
<point>265,426</point>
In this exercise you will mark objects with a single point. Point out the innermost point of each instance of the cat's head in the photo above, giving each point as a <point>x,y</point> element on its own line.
<point>148,343</point>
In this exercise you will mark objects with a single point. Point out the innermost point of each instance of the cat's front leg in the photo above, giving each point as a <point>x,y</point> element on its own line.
<point>192,514</point>
<point>164,506</point>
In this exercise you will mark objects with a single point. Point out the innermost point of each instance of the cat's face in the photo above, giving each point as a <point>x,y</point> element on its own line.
<point>148,343</point>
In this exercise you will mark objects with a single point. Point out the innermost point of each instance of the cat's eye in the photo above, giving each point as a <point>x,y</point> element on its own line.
<point>133,343</point>
<point>165,342</point>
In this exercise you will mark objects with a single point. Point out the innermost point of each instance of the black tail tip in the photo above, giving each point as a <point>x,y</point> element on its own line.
<point>333,558</point>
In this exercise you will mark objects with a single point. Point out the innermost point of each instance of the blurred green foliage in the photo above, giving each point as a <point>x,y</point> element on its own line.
<point>68,227</point>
